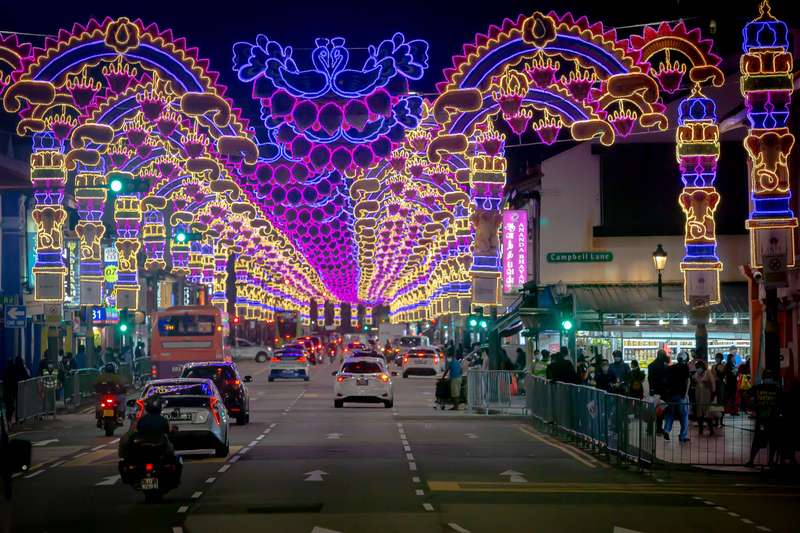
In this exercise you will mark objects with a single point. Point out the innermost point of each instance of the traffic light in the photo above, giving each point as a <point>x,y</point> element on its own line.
<point>566,324</point>
<point>472,322</point>
<point>182,237</point>
<point>236,319</point>
<point>484,324</point>
<point>125,183</point>
<point>115,185</point>
<point>123,327</point>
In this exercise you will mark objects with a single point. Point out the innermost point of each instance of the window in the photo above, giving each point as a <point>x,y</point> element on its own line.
<point>243,343</point>
<point>362,367</point>
<point>410,342</point>
<point>186,326</point>
<point>179,389</point>
<point>216,373</point>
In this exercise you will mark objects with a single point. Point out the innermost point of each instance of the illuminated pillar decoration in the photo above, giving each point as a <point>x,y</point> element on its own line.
<point>195,262</point>
<point>207,274</point>
<point>320,313</point>
<point>337,314</point>
<point>242,272</point>
<point>697,152</point>
<point>219,297</point>
<point>128,216</point>
<point>154,234</point>
<point>353,315</point>
<point>49,178</point>
<point>766,84</point>
<point>180,252</point>
<point>90,197</point>
<point>368,319</point>
<point>487,176</point>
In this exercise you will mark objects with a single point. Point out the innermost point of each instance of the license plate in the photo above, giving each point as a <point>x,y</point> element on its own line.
<point>362,381</point>
<point>150,483</point>
<point>108,412</point>
<point>179,417</point>
<point>419,362</point>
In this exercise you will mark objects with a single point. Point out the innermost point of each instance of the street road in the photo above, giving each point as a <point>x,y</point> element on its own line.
<point>303,466</point>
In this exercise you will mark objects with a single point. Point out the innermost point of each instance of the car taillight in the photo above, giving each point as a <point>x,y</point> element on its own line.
<point>340,378</point>
<point>140,408</point>
<point>276,359</point>
<point>435,359</point>
<point>384,378</point>
<point>148,467</point>
<point>405,359</point>
<point>233,382</point>
<point>301,359</point>
<point>212,406</point>
<point>108,401</point>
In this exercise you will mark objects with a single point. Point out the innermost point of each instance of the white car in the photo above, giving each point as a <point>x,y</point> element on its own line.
<point>422,362</point>
<point>246,350</point>
<point>289,363</point>
<point>363,380</point>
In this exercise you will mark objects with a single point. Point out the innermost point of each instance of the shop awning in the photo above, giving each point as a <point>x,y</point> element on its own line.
<point>643,298</point>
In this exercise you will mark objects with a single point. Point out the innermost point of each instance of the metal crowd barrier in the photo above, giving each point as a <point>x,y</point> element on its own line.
<point>78,386</point>
<point>495,391</point>
<point>612,423</point>
<point>35,398</point>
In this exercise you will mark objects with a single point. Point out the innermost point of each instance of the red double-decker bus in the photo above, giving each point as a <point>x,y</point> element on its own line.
<point>187,334</point>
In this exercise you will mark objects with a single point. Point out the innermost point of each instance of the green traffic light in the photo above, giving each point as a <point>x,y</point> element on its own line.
<point>484,325</point>
<point>123,328</point>
<point>473,322</point>
<point>180,237</point>
<point>566,325</point>
<point>116,185</point>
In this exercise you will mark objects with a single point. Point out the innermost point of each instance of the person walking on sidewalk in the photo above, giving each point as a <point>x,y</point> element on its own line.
<point>731,379</point>
<point>454,372</point>
<point>678,390</point>
<point>766,399</point>
<point>636,381</point>
<point>703,394</point>
<point>657,381</point>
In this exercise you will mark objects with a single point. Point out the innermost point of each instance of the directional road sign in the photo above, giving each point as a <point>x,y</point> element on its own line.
<point>15,316</point>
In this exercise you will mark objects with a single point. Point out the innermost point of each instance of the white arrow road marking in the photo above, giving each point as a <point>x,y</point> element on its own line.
<point>514,476</point>
<point>45,442</point>
<point>315,475</point>
<point>107,481</point>
<point>618,529</point>
<point>456,527</point>
<point>318,529</point>
<point>334,436</point>
<point>471,435</point>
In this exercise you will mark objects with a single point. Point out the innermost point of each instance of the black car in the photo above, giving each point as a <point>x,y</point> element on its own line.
<point>229,383</point>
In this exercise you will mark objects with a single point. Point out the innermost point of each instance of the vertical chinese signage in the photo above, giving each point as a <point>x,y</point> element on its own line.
<point>515,249</point>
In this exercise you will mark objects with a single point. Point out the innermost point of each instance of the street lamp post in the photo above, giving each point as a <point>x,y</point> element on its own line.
<point>660,261</point>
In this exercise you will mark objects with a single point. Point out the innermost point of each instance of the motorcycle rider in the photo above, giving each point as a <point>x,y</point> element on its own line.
<point>152,426</point>
<point>109,382</point>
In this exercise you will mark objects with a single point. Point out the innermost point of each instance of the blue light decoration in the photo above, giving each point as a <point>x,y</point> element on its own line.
<point>766,85</point>
<point>697,151</point>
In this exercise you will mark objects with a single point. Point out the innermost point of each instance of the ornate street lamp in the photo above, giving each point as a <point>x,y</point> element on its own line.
<point>659,261</point>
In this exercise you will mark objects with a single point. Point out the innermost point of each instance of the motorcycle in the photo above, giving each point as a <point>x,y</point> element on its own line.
<point>108,413</point>
<point>150,469</point>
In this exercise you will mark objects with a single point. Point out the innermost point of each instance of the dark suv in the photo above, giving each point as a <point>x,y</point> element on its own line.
<point>229,383</point>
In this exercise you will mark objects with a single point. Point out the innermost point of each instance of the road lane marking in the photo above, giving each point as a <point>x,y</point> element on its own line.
<point>412,467</point>
<point>735,515</point>
<point>416,479</point>
<point>183,508</point>
<point>315,475</point>
<point>720,508</point>
<point>558,446</point>
<point>260,437</point>
<point>763,528</point>
<point>273,425</point>
<point>35,473</point>
<point>79,455</point>
<point>253,443</point>
<point>419,492</point>
<point>410,456</point>
<point>244,451</point>
<point>514,476</point>
<point>59,463</point>
<point>456,527</point>
<point>234,458</point>
<point>747,521</point>
<point>98,447</point>
<point>211,480</point>
<point>592,488</point>
<point>108,481</point>
<point>223,469</point>
<point>407,448</point>
<point>427,506</point>
<point>177,529</point>
<point>114,441</point>
<point>196,495</point>
<point>45,442</point>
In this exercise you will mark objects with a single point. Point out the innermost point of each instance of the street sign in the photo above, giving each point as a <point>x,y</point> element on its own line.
<point>15,316</point>
<point>53,314</point>
<point>580,257</point>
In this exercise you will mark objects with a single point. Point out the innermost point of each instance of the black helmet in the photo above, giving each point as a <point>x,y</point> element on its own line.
<point>110,368</point>
<point>153,405</point>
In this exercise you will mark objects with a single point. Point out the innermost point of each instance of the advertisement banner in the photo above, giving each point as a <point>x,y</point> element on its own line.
<point>515,249</point>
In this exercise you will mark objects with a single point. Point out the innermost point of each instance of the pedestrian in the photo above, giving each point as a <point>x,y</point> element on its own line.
<point>619,372</point>
<point>734,352</point>
<point>522,360</point>
<point>718,370</point>
<point>582,370</point>
<point>42,366</point>
<point>453,371</point>
<point>540,365</point>
<point>80,357</point>
<point>603,379</point>
<point>561,369</point>
<point>139,353</point>
<point>636,381</point>
<point>678,391</point>
<point>731,405</point>
<point>766,399</point>
<point>705,387</point>
<point>15,372</point>
<point>68,363</point>
<point>743,385</point>
<point>485,360</point>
